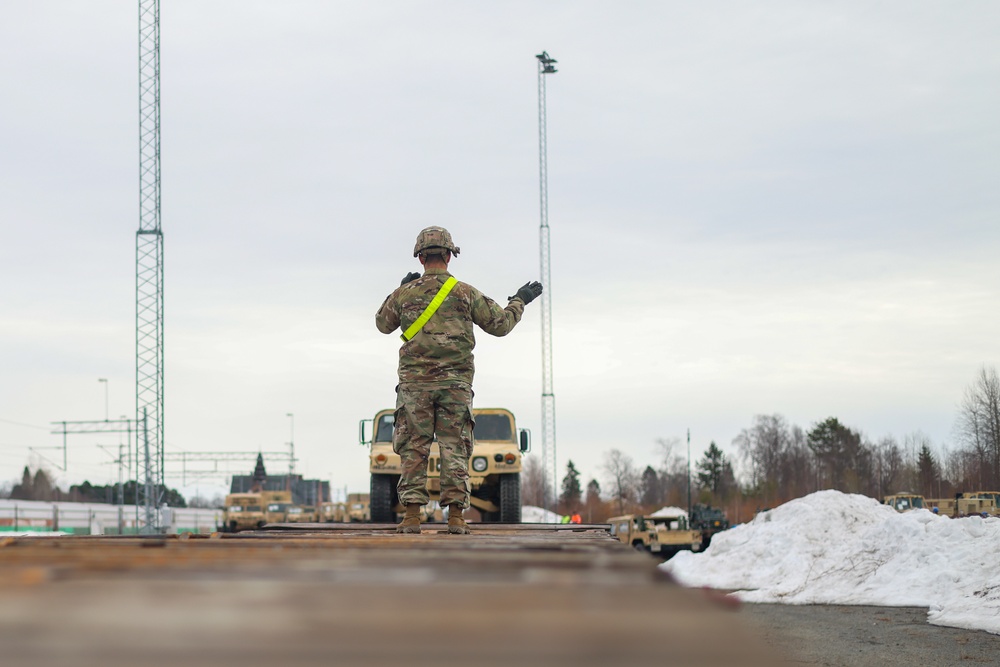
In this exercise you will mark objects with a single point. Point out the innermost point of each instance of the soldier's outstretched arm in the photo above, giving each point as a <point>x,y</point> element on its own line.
<point>493,319</point>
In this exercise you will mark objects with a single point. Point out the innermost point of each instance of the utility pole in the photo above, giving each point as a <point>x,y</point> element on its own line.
<point>149,275</point>
<point>291,446</point>
<point>689,475</point>
<point>546,66</point>
<point>104,381</point>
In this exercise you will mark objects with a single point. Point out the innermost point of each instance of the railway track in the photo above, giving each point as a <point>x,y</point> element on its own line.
<point>356,594</point>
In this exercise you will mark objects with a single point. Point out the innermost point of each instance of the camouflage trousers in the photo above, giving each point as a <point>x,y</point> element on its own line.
<point>420,414</point>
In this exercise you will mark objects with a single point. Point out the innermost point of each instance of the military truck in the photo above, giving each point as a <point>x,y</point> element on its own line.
<point>332,513</point>
<point>709,520</point>
<point>990,501</point>
<point>300,514</point>
<point>904,502</point>
<point>494,468</point>
<point>276,504</point>
<point>244,511</point>
<point>358,508</point>
<point>661,536</point>
<point>976,503</point>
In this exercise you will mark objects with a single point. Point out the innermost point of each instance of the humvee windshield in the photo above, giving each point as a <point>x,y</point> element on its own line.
<point>488,427</point>
<point>908,503</point>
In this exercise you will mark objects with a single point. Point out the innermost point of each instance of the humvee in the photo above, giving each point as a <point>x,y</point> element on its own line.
<point>243,511</point>
<point>989,501</point>
<point>904,502</point>
<point>332,513</point>
<point>300,514</point>
<point>977,503</point>
<point>358,508</point>
<point>276,504</point>
<point>709,520</point>
<point>660,535</point>
<point>494,468</point>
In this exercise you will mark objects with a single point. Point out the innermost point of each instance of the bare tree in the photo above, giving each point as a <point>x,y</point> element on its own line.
<point>535,486</point>
<point>763,448</point>
<point>979,424</point>
<point>622,478</point>
<point>673,472</point>
<point>888,464</point>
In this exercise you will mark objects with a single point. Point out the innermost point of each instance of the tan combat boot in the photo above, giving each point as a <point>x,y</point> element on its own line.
<point>411,520</point>
<point>456,524</point>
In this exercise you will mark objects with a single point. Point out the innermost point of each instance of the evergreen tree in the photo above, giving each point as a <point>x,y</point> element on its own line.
<point>571,493</point>
<point>23,491</point>
<point>712,468</point>
<point>651,489</point>
<point>927,468</point>
<point>841,452</point>
<point>593,503</point>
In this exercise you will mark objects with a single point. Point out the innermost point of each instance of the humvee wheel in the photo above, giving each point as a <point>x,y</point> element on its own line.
<point>383,499</point>
<point>510,498</point>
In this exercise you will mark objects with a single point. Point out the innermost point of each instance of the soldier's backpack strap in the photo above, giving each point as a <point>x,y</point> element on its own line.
<point>429,311</point>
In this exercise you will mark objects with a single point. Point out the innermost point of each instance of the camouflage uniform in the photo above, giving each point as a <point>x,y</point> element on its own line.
<point>436,367</point>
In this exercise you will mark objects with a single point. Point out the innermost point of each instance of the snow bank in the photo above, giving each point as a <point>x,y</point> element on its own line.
<point>833,548</point>
<point>532,514</point>
<point>669,513</point>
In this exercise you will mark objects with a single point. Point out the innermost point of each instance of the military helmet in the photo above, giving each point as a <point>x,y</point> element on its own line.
<point>434,237</point>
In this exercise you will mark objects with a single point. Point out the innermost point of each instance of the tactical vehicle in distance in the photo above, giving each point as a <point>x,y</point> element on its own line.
<point>332,513</point>
<point>709,520</point>
<point>358,508</point>
<point>494,468</point>
<point>300,514</point>
<point>977,503</point>
<point>904,502</point>
<point>244,511</point>
<point>661,536</point>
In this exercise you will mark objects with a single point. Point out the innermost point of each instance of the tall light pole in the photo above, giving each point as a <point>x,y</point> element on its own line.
<point>291,446</point>
<point>105,381</point>
<point>546,66</point>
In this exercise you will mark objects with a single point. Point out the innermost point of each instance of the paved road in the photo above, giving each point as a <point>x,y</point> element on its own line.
<point>836,636</point>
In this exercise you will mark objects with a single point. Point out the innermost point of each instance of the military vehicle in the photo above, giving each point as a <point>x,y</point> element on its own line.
<point>332,513</point>
<point>244,511</point>
<point>709,520</point>
<point>977,503</point>
<point>990,501</point>
<point>276,504</point>
<point>358,508</point>
<point>494,468</point>
<point>904,502</point>
<point>300,514</point>
<point>661,536</point>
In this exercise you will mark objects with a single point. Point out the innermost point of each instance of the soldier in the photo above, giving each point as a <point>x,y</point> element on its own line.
<point>434,396</point>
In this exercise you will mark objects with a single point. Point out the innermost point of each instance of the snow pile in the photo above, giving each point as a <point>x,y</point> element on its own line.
<point>669,513</point>
<point>833,548</point>
<point>532,514</point>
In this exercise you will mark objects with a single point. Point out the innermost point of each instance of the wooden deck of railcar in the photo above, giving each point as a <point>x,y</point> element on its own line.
<point>356,594</point>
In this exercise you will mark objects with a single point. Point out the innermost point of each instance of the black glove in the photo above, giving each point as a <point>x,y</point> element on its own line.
<point>528,292</point>
<point>408,277</point>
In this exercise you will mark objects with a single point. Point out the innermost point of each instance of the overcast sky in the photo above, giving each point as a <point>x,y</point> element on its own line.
<point>756,208</point>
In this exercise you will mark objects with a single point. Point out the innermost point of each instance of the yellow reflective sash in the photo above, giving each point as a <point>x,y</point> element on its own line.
<point>429,311</point>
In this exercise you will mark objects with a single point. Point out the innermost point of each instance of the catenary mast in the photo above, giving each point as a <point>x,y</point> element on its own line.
<point>546,66</point>
<point>149,278</point>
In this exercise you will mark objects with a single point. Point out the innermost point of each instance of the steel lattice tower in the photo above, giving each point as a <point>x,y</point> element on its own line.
<point>545,66</point>
<point>149,277</point>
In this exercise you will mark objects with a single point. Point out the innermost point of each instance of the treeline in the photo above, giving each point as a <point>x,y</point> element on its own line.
<point>778,461</point>
<point>39,486</point>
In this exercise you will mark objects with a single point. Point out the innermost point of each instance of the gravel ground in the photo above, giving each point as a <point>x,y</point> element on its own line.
<point>840,636</point>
